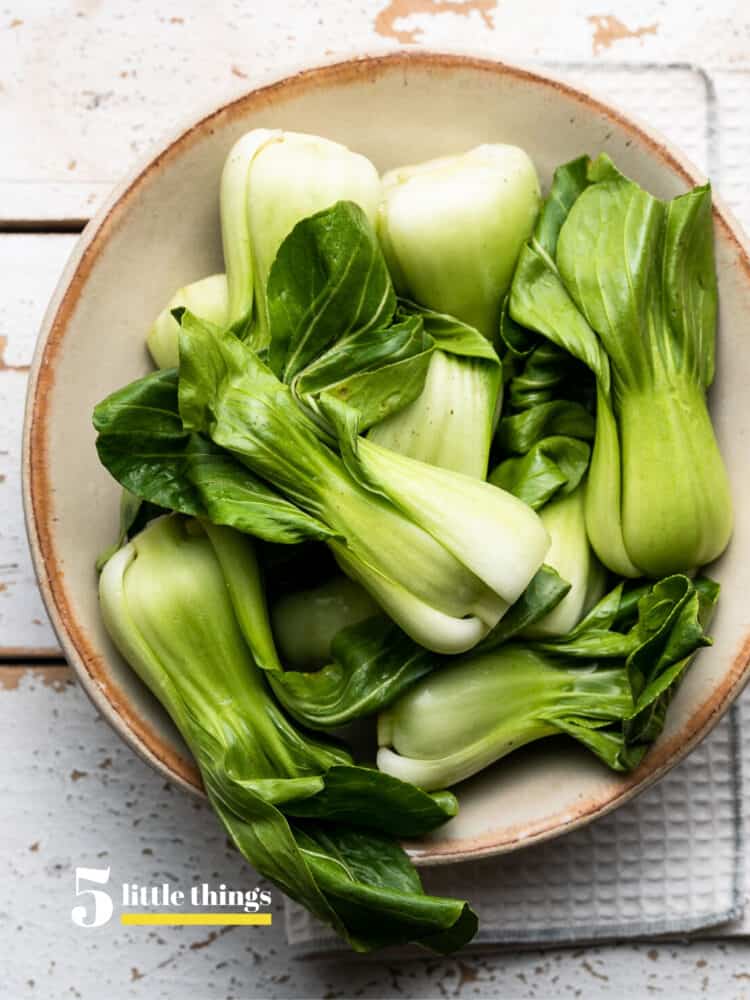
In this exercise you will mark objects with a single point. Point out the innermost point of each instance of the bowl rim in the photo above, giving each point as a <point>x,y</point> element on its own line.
<point>89,665</point>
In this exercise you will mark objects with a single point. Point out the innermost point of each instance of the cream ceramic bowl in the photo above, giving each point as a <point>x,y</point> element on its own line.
<point>160,230</point>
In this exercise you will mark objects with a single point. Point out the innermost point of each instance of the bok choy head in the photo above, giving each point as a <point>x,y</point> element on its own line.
<point>207,298</point>
<point>271,180</point>
<point>607,684</point>
<point>451,230</point>
<point>299,810</point>
<point>627,284</point>
<point>443,554</point>
<point>306,622</point>
<point>450,423</point>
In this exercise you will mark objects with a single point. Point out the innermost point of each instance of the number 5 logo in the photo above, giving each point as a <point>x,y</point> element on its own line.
<point>102,900</point>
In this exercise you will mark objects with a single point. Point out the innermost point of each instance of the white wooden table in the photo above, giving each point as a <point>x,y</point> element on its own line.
<point>85,88</point>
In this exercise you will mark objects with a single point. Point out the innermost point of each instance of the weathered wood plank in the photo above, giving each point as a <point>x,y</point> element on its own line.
<point>58,676</point>
<point>733,141</point>
<point>29,269</point>
<point>130,71</point>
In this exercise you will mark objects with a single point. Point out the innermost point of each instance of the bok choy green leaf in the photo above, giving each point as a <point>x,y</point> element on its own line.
<point>546,427</point>
<point>334,331</point>
<point>144,445</point>
<point>328,280</point>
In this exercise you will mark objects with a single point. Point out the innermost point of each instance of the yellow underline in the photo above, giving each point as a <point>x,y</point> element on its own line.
<point>196,919</point>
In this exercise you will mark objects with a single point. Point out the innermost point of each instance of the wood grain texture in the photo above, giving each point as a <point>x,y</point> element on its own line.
<point>87,88</point>
<point>30,266</point>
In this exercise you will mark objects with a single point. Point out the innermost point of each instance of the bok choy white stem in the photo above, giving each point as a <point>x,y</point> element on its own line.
<point>451,230</point>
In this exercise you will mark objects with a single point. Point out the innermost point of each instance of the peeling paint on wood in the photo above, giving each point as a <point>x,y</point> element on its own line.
<point>57,677</point>
<point>609,29</point>
<point>385,23</point>
<point>4,366</point>
<point>174,70</point>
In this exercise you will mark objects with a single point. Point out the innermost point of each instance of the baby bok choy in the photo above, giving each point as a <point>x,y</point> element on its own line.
<point>607,684</point>
<point>443,554</point>
<point>626,283</point>
<point>271,180</point>
<point>297,808</point>
<point>254,448</point>
<point>338,333</point>
<point>451,230</point>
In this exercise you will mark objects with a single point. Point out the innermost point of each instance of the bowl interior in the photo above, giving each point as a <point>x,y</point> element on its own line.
<point>160,231</point>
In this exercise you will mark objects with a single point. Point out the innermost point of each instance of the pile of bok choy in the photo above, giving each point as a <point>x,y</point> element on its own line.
<point>429,451</point>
